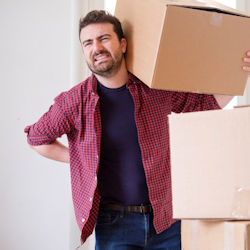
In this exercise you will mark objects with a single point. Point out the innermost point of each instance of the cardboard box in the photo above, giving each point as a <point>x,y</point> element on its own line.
<point>186,45</point>
<point>210,164</point>
<point>207,235</point>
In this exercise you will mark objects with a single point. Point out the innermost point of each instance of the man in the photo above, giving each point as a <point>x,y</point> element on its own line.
<point>117,130</point>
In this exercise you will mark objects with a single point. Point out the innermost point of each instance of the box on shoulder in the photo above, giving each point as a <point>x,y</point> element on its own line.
<point>186,46</point>
<point>210,159</point>
<point>215,235</point>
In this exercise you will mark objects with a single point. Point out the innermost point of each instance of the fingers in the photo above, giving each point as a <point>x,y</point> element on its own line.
<point>246,68</point>
<point>246,59</point>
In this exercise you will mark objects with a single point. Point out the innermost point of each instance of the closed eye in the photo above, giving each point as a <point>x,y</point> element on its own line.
<point>104,37</point>
<point>87,43</point>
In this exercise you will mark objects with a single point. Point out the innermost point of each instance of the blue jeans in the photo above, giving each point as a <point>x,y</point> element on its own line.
<point>133,231</point>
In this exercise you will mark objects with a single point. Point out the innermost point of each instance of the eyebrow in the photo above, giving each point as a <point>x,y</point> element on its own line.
<point>99,37</point>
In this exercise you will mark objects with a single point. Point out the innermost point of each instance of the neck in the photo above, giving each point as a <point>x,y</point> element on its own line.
<point>117,80</point>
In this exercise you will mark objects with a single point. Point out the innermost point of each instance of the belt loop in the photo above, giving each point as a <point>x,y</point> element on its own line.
<point>142,210</point>
<point>122,212</point>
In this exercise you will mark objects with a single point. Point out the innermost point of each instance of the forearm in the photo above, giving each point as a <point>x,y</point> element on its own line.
<point>223,100</point>
<point>55,151</point>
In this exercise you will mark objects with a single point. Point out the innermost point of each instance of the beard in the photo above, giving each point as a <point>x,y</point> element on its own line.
<point>109,67</point>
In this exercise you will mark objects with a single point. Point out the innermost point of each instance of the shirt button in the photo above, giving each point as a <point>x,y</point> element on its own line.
<point>93,93</point>
<point>83,220</point>
<point>97,156</point>
<point>90,199</point>
<point>95,178</point>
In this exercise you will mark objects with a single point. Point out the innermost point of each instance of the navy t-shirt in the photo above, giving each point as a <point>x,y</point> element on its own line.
<point>121,177</point>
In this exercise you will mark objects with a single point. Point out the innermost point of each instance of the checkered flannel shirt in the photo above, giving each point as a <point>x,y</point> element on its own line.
<point>76,113</point>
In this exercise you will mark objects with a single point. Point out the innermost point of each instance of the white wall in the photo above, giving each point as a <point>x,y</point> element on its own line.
<point>40,57</point>
<point>34,62</point>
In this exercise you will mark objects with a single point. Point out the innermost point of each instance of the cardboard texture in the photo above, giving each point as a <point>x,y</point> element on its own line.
<point>248,237</point>
<point>193,46</point>
<point>207,235</point>
<point>210,164</point>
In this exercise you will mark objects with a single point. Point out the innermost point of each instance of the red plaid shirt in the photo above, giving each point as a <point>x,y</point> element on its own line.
<point>77,114</point>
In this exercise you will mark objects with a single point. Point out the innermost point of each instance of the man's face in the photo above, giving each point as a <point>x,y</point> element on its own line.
<point>102,49</point>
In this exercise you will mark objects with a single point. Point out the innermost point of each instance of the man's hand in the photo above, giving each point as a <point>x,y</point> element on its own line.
<point>246,60</point>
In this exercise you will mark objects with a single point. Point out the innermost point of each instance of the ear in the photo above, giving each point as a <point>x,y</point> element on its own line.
<point>123,45</point>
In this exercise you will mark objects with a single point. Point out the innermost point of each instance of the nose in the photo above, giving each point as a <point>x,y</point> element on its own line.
<point>97,46</point>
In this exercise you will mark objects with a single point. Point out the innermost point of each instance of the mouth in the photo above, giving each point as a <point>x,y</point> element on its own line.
<point>101,57</point>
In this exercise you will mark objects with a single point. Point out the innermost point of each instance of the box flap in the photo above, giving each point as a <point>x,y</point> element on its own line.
<point>206,4</point>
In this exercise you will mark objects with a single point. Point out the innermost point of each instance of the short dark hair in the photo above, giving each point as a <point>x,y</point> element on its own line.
<point>101,16</point>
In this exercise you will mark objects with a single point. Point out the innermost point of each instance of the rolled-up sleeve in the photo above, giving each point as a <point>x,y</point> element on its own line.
<point>53,124</point>
<point>190,102</point>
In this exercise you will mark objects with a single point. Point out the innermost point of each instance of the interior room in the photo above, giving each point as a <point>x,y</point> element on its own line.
<point>40,57</point>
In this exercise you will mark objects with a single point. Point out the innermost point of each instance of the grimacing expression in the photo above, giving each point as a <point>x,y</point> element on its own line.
<point>102,49</point>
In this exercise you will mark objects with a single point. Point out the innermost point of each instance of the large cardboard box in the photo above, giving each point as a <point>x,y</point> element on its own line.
<point>210,164</point>
<point>212,235</point>
<point>194,46</point>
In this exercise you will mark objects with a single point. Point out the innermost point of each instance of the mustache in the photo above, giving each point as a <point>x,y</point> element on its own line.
<point>99,53</point>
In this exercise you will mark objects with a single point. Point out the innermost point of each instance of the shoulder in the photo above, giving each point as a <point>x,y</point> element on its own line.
<point>147,90</point>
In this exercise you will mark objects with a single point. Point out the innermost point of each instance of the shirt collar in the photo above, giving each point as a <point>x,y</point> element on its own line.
<point>93,82</point>
<point>131,79</point>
